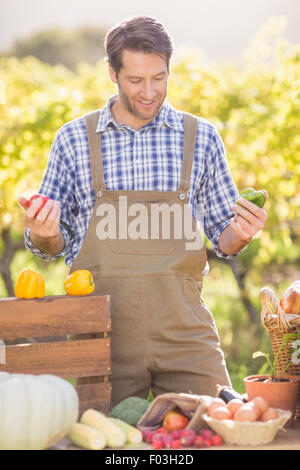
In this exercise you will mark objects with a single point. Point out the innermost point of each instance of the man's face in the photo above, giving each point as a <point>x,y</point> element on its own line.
<point>142,84</point>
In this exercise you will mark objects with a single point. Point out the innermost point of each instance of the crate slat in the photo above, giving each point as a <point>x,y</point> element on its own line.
<point>54,316</point>
<point>96,396</point>
<point>67,359</point>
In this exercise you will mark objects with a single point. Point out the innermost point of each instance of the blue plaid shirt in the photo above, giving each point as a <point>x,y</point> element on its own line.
<point>146,159</point>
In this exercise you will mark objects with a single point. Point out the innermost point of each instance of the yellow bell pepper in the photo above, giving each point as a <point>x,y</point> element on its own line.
<point>29,285</point>
<point>79,282</point>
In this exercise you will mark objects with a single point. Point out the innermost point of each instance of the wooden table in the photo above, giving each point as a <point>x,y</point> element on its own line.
<point>288,439</point>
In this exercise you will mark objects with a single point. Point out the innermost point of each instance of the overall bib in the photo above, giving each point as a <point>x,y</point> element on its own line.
<point>163,336</point>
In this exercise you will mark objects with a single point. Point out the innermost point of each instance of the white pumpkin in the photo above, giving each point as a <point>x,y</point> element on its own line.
<point>35,410</point>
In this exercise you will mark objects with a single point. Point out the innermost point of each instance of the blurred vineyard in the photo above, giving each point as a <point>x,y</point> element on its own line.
<point>255,107</point>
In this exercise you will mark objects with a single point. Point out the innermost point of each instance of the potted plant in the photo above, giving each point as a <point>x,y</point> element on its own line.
<point>279,389</point>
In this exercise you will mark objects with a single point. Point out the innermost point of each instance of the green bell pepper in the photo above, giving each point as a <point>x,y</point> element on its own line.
<point>257,197</point>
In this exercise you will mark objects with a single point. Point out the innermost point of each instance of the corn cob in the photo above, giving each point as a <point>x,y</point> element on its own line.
<point>133,435</point>
<point>115,437</point>
<point>87,437</point>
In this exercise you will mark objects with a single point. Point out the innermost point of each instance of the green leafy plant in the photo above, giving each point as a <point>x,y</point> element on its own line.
<point>287,351</point>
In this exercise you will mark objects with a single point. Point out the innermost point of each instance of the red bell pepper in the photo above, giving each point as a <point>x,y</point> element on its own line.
<point>36,196</point>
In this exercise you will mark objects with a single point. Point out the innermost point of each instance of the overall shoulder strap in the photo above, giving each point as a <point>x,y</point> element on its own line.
<point>94,139</point>
<point>189,142</point>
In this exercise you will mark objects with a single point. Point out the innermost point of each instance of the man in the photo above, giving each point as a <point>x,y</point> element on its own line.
<point>136,155</point>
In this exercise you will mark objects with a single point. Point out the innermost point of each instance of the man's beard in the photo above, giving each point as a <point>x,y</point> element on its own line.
<point>132,110</point>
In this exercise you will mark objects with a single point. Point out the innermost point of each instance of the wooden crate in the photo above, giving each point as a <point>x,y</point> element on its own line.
<point>50,322</point>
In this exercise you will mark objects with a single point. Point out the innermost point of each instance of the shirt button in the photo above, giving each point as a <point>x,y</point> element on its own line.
<point>99,193</point>
<point>182,196</point>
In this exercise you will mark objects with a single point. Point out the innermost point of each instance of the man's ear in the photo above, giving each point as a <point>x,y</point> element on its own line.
<point>112,74</point>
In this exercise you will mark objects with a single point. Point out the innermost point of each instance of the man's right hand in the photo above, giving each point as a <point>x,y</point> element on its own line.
<point>44,227</point>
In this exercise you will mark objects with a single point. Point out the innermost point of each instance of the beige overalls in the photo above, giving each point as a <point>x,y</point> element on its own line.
<point>163,335</point>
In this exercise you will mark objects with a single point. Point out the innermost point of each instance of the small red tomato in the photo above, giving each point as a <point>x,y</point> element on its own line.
<point>188,432</point>
<point>157,437</point>
<point>208,442</point>
<point>176,444</point>
<point>37,196</point>
<point>199,441</point>
<point>174,421</point>
<point>216,440</point>
<point>157,445</point>
<point>149,436</point>
<point>161,431</point>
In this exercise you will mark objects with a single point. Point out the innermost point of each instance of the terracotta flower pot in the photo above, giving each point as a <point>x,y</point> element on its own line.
<point>280,394</point>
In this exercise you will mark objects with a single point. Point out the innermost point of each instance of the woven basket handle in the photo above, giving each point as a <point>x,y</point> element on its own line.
<point>267,297</point>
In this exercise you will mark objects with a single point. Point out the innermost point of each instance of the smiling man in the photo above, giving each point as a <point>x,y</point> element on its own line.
<point>136,154</point>
<point>142,88</point>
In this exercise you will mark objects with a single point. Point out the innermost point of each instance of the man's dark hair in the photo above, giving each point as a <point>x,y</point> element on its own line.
<point>140,33</point>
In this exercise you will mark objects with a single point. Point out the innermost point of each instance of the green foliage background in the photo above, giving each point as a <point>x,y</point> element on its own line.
<point>255,107</point>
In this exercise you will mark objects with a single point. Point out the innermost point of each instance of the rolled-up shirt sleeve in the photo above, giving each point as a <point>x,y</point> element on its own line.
<point>217,194</point>
<point>57,184</point>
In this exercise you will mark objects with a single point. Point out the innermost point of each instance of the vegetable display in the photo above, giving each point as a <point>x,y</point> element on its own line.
<point>29,285</point>
<point>97,431</point>
<point>79,282</point>
<point>256,197</point>
<point>36,411</point>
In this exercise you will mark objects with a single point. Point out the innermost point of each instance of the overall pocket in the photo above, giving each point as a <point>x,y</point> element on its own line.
<point>142,232</point>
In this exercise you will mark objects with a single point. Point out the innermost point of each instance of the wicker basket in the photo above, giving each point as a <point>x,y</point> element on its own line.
<point>278,323</point>
<point>247,433</point>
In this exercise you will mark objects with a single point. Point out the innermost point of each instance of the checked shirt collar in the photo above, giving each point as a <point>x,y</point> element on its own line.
<point>167,117</point>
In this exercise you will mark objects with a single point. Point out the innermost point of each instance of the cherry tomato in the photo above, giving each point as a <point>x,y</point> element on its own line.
<point>199,441</point>
<point>176,444</point>
<point>216,440</point>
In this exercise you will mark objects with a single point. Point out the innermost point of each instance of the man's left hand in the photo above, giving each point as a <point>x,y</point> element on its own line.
<point>249,219</point>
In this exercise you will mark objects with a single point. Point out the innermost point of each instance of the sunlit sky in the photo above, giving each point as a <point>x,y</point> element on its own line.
<point>222,29</point>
